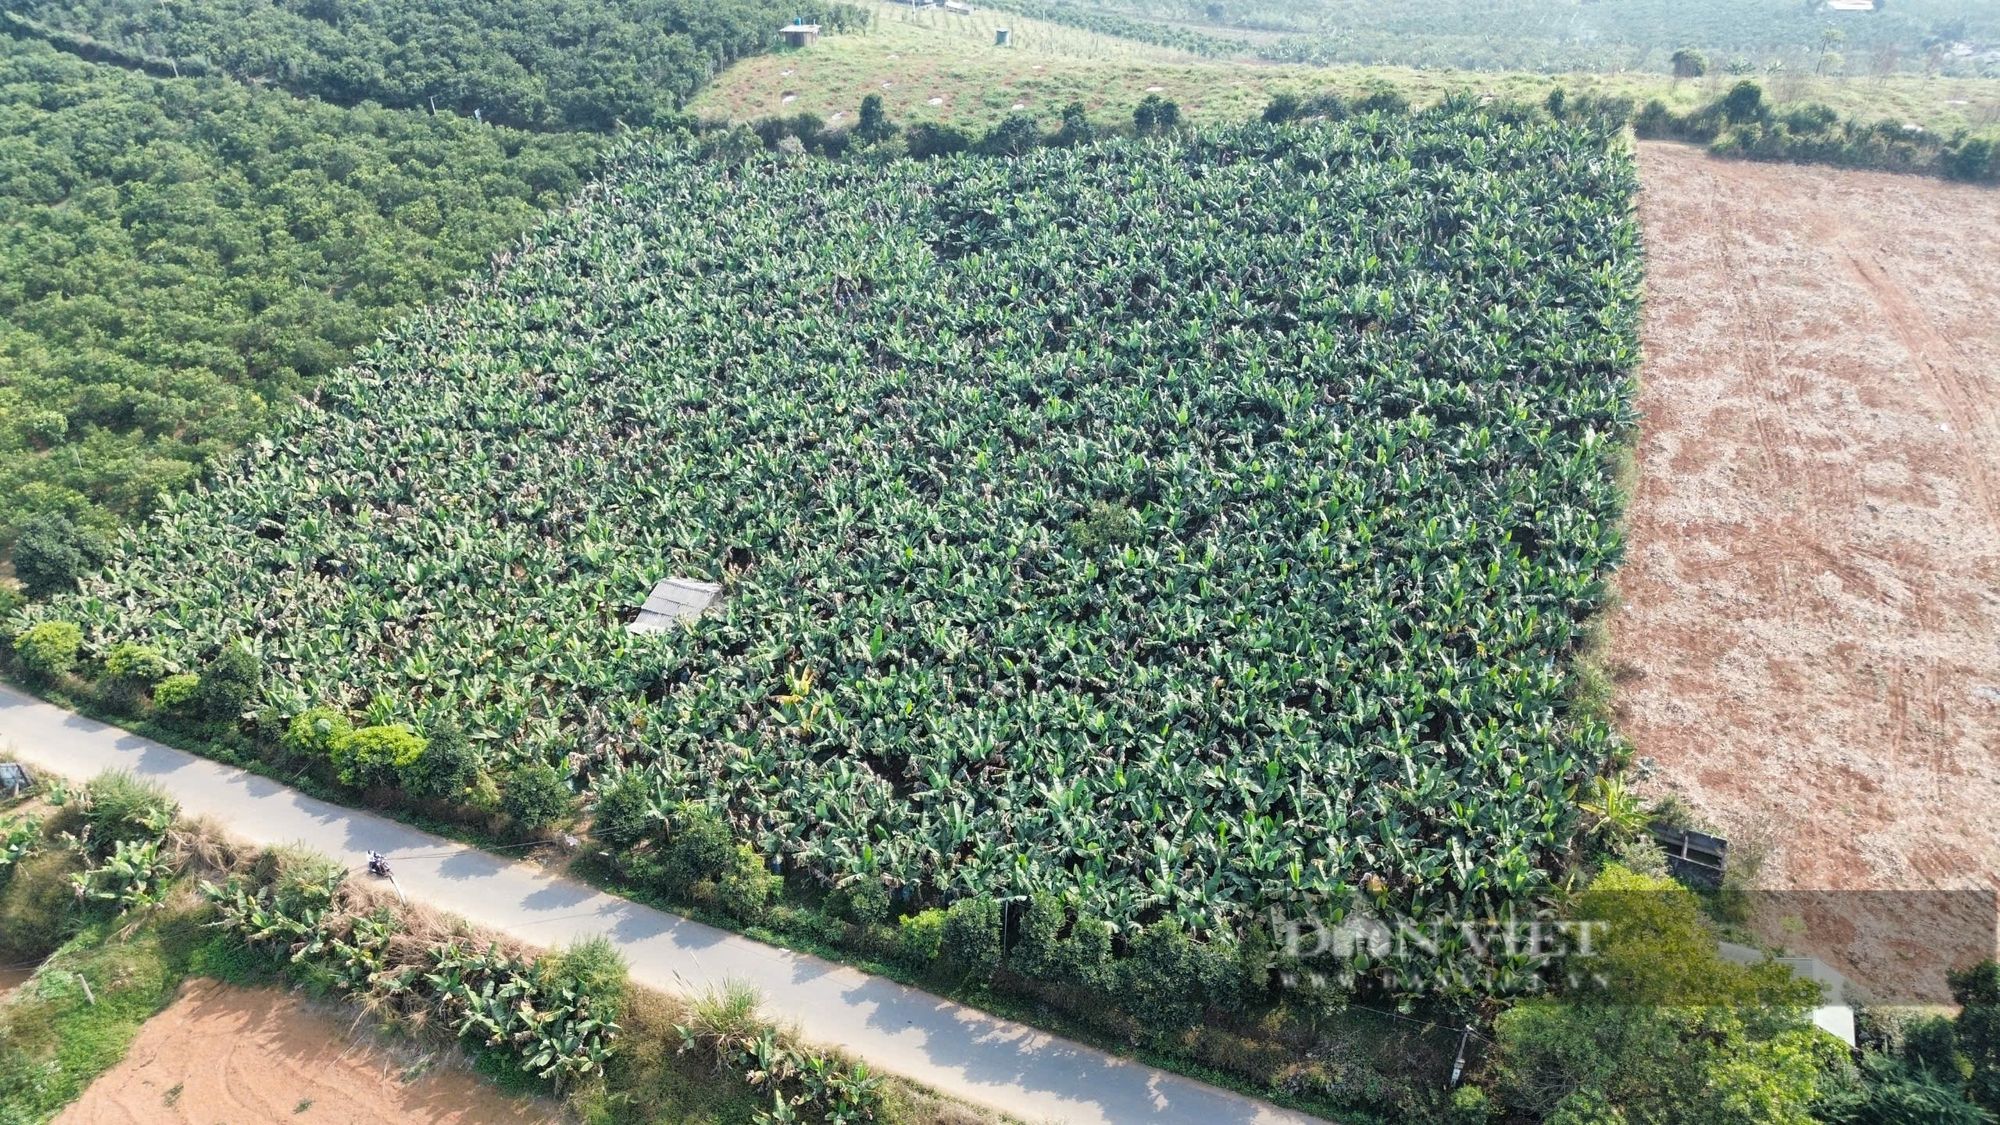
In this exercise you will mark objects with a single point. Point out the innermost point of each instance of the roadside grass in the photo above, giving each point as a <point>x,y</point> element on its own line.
<point>76,1016</point>
<point>912,57</point>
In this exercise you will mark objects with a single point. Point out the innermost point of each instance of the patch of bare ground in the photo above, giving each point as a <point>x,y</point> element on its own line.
<point>259,1056</point>
<point>1810,644</point>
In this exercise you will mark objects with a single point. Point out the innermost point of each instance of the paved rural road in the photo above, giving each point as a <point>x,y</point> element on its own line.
<point>949,1047</point>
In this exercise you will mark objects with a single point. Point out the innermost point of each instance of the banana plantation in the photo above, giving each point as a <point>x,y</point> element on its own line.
<point>1176,527</point>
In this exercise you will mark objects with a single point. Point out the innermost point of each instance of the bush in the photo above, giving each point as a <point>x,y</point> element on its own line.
<point>748,886</point>
<point>701,848</point>
<point>927,140</point>
<point>1282,108</point>
<point>1743,103</point>
<point>376,755</point>
<point>135,666</point>
<point>1082,957</point>
<point>448,768</point>
<point>38,907</point>
<point>52,552</point>
<point>177,693</point>
<point>317,733</point>
<point>227,684</point>
<point>623,814</point>
<point>536,796</point>
<point>865,901</point>
<point>1169,979</point>
<point>1155,114</point>
<point>1679,1034</point>
<point>1014,135</point>
<point>48,650</point>
<point>1076,127</point>
<point>1972,161</point>
<point>875,124</point>
<point>1977,1029</point>
<point>921,938</point>
<point>972,935</point>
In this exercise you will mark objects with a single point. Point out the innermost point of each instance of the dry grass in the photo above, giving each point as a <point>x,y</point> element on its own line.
<point>911,58</point>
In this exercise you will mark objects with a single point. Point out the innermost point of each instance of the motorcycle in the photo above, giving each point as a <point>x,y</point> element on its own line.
<point>378,865</point>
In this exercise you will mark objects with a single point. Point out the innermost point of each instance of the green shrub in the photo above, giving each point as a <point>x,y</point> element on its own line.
<point>52,551</point>
<point>748,886</point>
<point>625,811</point>
<point>700,848</point>
<point>920,938</point>
<point>536,796</point>
<point>135,665</point>
<point>11,600</point>
<point>177,693</point>
<point>1080,957</point>
<point>227,683</point>
<point>1168,979</point>
<point>1977,1028</point>
<point>865,901</point>
<point>448,767</point>
<point>376,755</point>
<point>317,733</point>
<point>972,935</point>
<point>48,650</point>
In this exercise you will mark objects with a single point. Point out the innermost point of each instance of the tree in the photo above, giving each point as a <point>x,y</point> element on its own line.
<point>971,936</point>
<point>48,650</point>
<point>1976,1031</point>
<point>227,683</point>
<point>53,551</point>
<point>376,755</point>
<point>1283,107</point>
<point>1689,63</point>
<point>875,125</point>
<point>536,796</point>
<point>448,767</point>
<point>1675,1033</point>
<point>1215,13</point>
<point>1014,135</point>
<point>1155,114</point>
<point>1076,127</point>
<point>1829,59</point>
<point>1743,103</point>
<point>316,732</point>
<point>700,848</point>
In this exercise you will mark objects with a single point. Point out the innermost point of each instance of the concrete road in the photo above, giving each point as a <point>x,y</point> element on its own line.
<point>946,1046</point>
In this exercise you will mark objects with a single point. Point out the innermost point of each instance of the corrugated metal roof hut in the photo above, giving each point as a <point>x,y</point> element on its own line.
<point>671,600</point>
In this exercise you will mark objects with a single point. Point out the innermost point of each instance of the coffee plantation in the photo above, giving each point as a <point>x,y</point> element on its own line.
<point>1175,527</point>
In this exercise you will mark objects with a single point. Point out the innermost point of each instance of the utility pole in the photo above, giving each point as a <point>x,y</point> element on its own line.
<point>1458,1064</point>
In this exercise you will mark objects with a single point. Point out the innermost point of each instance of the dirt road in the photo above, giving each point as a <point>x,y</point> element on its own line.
<point>1810,645</point>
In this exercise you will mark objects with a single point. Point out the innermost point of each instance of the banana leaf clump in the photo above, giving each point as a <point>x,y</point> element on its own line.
<point>1174,528</point>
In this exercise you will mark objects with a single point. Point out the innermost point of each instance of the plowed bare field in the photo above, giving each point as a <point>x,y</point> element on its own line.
<point>262,1057</point>
<point>1810,647</point>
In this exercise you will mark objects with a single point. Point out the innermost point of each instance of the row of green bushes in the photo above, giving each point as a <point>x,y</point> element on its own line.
<point>437,768</point>
<point>1742,124</point>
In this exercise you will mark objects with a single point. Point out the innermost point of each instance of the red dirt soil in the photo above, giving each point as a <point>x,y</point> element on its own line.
<point>1810,645</point>
<point>261,1057</point>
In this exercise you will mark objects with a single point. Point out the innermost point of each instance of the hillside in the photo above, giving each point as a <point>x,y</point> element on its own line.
<point>539,64</point>
<point>1175,526</point>
<point>933,66</point>
<point>180,259</point>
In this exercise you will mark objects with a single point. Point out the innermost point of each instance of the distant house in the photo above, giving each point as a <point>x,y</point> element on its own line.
<point>956,7</point>
<point>800,34</point>
<point>671,600</point>
<point>1851,5</point>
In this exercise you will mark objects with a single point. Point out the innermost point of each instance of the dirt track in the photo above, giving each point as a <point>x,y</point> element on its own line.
<point>261,1057</point>
<point>1811,640</point>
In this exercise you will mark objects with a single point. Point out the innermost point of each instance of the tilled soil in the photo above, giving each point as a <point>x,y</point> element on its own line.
<point>262,1057</point>
<point>1810,645</point>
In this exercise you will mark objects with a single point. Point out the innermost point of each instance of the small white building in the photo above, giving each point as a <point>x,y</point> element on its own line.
<point>800,34</point>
